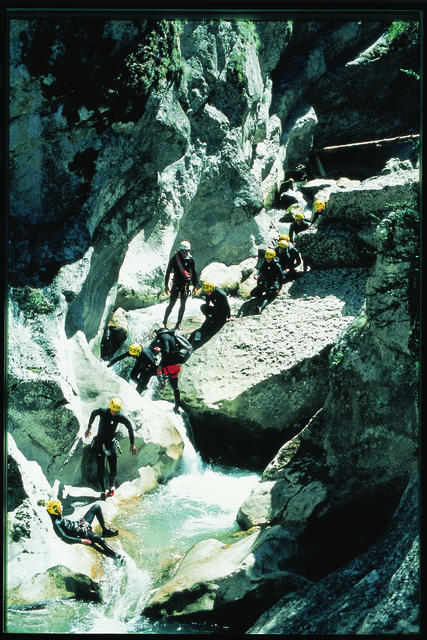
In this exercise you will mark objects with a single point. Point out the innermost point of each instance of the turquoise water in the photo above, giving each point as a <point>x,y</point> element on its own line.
<point>200,503</point>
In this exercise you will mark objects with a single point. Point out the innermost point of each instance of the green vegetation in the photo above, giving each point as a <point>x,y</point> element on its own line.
<point>402,33</point>
<point>31,301</point>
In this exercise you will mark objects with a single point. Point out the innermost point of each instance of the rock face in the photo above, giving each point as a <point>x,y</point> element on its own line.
<point>376,593</point>
<point>230,583</point>
<point>247,395</point>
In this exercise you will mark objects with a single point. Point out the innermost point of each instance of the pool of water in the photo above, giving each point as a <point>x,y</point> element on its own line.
<point>155,534</point>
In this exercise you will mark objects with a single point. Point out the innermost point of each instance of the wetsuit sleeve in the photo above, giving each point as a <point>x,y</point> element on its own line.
<point>128,426</point>
<point>61,533</point>
<point>120,357</point>
<point>96,412</point>
<point>193,273</point>
<point>225,307</point>
<point>279,274</point>
<point>291,232</point>
<point>169,270</point>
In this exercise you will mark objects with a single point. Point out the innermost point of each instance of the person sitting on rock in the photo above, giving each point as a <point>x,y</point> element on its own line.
<point>184,274</point>
<point>270,281</point>
<point>299,224</point>
<point>216,308</point>
<point>80,531</point>
<point>105,444</point>
<point>318,207</point>
<point>147,359</point>
<point>288,258</point>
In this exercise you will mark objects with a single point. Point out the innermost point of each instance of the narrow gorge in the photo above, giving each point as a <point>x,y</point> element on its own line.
<point>283,497</point>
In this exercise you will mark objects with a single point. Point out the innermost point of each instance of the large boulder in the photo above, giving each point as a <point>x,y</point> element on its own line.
<point>230,583</point>
<point>239,409</point>
<point>376,593</point>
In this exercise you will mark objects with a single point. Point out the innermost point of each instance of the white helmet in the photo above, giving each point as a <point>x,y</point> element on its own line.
<point>185,245</point>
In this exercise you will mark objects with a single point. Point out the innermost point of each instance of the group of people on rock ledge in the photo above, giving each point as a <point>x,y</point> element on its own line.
<point>164,356</point>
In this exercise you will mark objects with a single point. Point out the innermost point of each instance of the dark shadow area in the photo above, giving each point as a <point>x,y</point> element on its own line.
<point>248,308</point>
<point>206,331</point>
<point>346,532</point>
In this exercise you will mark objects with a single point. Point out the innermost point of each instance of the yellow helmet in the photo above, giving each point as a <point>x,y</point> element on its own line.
<point>283,237</point>
<point>299,215</point>
<point>283,243</point>
<point>54,507</point>
<point>270,253</point>
<point>208,286</point>
<point>115,404</point>
<point>319,205</point>
<point>135,349</point>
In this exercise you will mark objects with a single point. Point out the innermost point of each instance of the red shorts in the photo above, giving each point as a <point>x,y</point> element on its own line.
<point>172,370</point>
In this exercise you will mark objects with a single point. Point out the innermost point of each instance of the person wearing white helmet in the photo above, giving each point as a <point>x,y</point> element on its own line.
<point>183,268</point>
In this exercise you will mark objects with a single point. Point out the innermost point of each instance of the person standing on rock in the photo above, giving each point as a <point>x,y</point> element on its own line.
<point>105,444</point>
<point>184,276</point>
<point>288,258</point>
<point>145,366</point>
<point>299,224</point>
<point>216,308</point>
<point>175,349</point>
<point>270,281</point>
<point>80,532</point>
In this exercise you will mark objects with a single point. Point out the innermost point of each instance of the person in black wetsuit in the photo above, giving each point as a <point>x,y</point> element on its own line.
<point>169,365</point>
<point>184,275</point>
<point>318,207</point>
<point>80,532</point>
<point>105,444</point>
<point>288,258</point>
<point>216,308</point>
<point>299,224</point>
<point>270,281</point>
<point>145,366</point>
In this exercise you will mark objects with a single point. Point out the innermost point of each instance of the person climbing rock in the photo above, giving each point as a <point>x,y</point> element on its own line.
<point>184,277</point>
<point>147,359</point>
<point>171,373</point>
<point>318,207</point>
<point>80,531</point>
<point>105,444</point>
<point>216,308</point>
<point>288,258</point>
<point>270,281</point>
<point>175,349</point>
<point>299,224</point>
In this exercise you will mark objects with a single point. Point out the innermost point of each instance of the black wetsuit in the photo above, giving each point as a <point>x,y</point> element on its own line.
<point>180,283</point>
<point>216,309</point>
<point>167,343</point>
<point>270,281</point>
<point>105,439</point>
<point>144,367</point>
<point>73,531</point>
<point>297,228</point>
<point>288,258</point>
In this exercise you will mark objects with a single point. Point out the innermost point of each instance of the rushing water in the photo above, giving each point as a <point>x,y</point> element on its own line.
<point>201,502</point>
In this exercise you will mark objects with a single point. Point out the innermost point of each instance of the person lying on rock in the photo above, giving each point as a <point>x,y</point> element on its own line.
<point>105,444</point>
<point>216,308</point>
<point>288,258</point>
<point>184,275</point>
<point>80,531</point>
<point>299,224</point>
<point>147,359</point>
<point>270,281</point>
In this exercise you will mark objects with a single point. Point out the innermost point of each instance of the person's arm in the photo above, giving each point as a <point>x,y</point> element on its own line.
<point>193,276</point>
<point>295,257</point>
<point>128,426</point>
<point>92,417</point>
<point>279,276</point>
<point>120,357</point>
<point>167,274</point>
<point>225,305</point>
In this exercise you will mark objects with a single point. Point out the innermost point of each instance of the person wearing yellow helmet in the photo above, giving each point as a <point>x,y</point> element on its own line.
<point>288,258</point>
<point>183,268</point>
<point>147,359</point>
<point>216,309</point>
<point>80,531</point>
<point>105,443</point>
<point>270,280</point>
<point>318,207</point>
<point>299,224</point>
